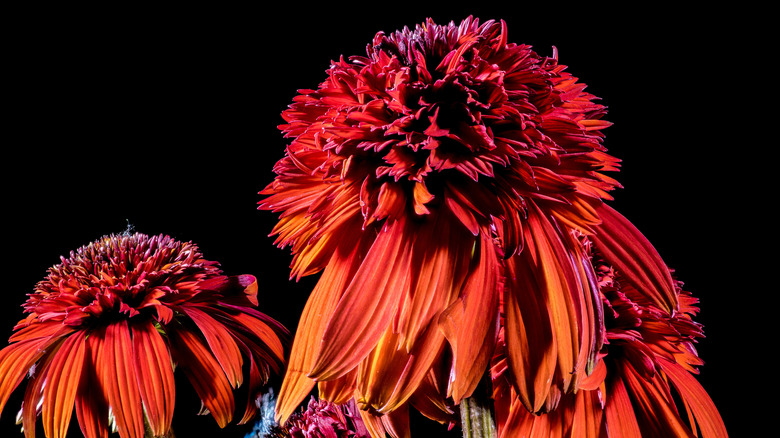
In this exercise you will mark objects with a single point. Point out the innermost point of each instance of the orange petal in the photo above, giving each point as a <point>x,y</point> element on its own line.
<point>314,318</point>
<point>696,400</point>
<point>620,416</point>
<point>530,340</point>
<point>63,375</point>
<point>471,322</point>
<point>91,403</point>
<point>635,258</point>
<point>204,373</point>
<point>340,390</point>
<point>15,361</point>
<point>154,376</point>
<point>367,306</point>
<point>390,374</point>
<point>220,342</point>
<point>116,372</point>
<point>439,266</point>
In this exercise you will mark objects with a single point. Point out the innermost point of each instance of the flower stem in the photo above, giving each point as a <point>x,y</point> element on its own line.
<point>476,417</point>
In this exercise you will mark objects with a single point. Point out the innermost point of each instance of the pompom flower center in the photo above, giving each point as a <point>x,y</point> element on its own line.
<point>120,276</point>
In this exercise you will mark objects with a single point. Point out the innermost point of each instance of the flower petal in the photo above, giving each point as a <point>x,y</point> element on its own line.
<point>63,375</point>
<point>15,361</point>
<point>696,400</point>
<point>91,403</point>
<point>625,248</point>
<point>204,372</point>
<point>116,373</point>
<point>360,317</point>
<point>619,413</point>
<point>154,376</point>
<point>316,314</point>
<point>220,342</point>
<point>471,322</point>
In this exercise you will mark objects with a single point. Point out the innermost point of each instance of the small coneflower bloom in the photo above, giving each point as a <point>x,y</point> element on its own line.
<point>320,419</point>
<point>444,173</point>
<point>643,383</point>
<point>108,325</point>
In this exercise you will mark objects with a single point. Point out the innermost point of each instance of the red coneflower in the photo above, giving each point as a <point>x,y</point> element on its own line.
<point>109,324</point>
<point>446,172</point>
<point>643,383</point>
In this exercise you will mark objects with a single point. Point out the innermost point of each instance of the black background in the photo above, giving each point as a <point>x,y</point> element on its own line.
<point>166,120</point>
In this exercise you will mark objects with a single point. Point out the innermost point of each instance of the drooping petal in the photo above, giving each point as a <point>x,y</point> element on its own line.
<point>220,342</point>
<point>390,362</point>
<point>625,248</point>
<point>316,314</point>
<point>154,372</point>
<point>619,412</point>
<point>116,373</point>
<point>204,373</point>
<point>63,375</point>
<point>696,400</point>
<point>91,403</point>
<point>367,306</point>
<point>471,322</point>
<point>15,361</point>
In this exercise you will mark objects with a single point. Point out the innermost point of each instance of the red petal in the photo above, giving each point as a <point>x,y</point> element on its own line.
<point>621,420</point>
<point>553,328</point>
<point>390,374</point>
<point>316,314</point>
<point>116,373</point>
<point>471,322</point>
<point>625,248</point>
<point>205,374</point>
<point>91,404</point>
<point>63,375</point>
<point>220,342</point>
<point>155,376</point>
<point>360,317</point>
<point>15,361</point>
<point>696,400</point>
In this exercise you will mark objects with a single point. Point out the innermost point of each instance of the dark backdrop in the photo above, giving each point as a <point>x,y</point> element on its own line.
<point>166,120</point>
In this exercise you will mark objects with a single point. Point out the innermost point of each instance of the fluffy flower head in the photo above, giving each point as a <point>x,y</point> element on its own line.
<point>441,179</point>
<point>107,325</point>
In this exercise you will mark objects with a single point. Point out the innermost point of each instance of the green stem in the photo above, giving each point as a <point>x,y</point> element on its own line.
<point>476,417</point>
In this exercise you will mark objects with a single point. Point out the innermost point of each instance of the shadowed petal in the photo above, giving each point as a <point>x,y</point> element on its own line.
<point>471,322</point>
<point>220,342</point>
<point>367,306</point>
<point>91,403</point>
<point>696,400</point>
<point>205,374</point>
<point>154,376</point>
<point>625,248</point>
<point>390,362</point>
<point>63,375</point>
<point>15,362</point>
<point>316,314</point>
<point>116,373</point>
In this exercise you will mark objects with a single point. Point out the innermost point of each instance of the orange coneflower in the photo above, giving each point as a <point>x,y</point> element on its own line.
<point>643,384</point>
<point>444,173</point>
<point>108,325</point>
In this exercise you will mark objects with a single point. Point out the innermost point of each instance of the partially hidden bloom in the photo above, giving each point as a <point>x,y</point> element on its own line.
<point>319,419</point>
<point>643,383</point>
<point>447,187</point>
<point>108,325</point>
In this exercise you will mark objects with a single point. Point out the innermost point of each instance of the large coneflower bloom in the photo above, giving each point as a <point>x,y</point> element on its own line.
<point>445,172</point>
<point>108,325</point>
<point>643,383</point>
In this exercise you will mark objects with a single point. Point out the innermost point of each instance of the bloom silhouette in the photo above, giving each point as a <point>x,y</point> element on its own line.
<point>108,325</point>
<point>440,185</point>
<point>643,383</point>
